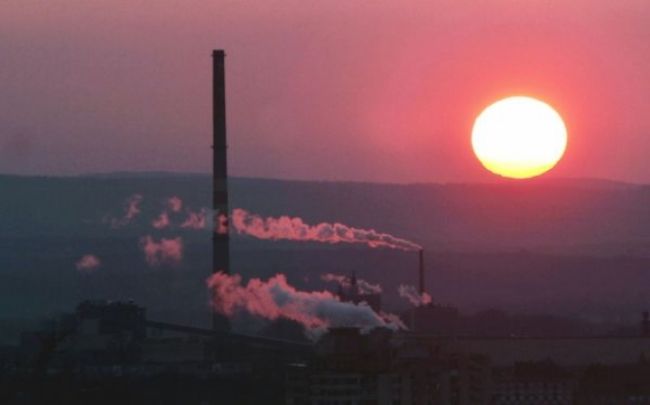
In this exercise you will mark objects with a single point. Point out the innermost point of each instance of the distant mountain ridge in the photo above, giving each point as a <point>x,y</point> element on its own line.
<point>588,182</point>
<point>136,175</point>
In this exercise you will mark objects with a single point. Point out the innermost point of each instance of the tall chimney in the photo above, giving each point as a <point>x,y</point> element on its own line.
<point>220,236</point>
<point>421,270</point>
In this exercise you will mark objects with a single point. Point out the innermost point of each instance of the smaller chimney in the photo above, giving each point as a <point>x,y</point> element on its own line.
<point>421,270</point>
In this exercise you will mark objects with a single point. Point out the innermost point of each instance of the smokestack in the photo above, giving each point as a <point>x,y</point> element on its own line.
<point>220,236</point>
<point>421,270</point>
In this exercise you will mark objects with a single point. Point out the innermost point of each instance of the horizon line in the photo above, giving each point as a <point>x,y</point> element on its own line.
<point>168,173</point>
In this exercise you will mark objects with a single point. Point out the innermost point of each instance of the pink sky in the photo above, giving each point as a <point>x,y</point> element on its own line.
<point>336,90</point>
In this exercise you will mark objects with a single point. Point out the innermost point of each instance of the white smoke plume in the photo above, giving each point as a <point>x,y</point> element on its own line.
<point>165,252</point>
<point>173,204</point>
<point>294,228</point>
<point>131,210</point>
<point>162,221</point>
<point>88,263</point>
<point>195,219</point>
<point>221,224</point>
<point>411,293</point>
<point>276,298</point>
<point>364,286</point>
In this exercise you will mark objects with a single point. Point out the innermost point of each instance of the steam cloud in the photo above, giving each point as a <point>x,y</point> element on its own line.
<point>221,224</point>
<point>195,220</point>
<point>165,252</point>
<point>173,204</point>
<point>88,263</point>
<point>270,228</point>
<point>162,221</point>
<point>293,228</point>
<point>131,210</point>
<point>365,288</point>
<point>411,293</point>
<point>276,298</point>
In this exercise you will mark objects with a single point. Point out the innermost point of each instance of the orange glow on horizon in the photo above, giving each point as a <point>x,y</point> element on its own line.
<point>519,137</point>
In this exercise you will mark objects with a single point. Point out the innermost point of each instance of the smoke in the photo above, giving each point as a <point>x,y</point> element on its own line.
<point>293,228</point>
<point>162,221</point>
<point>195,220</point>
<point>221,224</point>
<point>276,298</point>
<point>368,288</point>
<point>173,204</point>
<point>280,228</point>
<point>411,293</point>
<point>131,210</point>
<point>88,263</point>
<point>164,252</point>
<point>365,288</point>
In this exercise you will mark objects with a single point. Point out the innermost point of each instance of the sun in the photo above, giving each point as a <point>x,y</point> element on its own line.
<point>519,137</point>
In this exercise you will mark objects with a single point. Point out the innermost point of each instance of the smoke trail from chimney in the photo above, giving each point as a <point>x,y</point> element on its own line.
<point>88,263</point>
<point>295,229</point>
<point>276,298</point>
<point>365,288</point>
<point>162,221</point>
<point>411,293</point>
<point>173,204</point>
<point>165,252</point>
<point>269,228</point>
<point>131,210</point>
<point>195,219</point>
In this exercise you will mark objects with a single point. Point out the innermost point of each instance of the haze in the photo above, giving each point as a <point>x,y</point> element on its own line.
<point>337,90</point>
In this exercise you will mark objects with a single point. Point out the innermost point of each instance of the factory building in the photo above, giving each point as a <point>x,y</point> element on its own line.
<point>373,368</point>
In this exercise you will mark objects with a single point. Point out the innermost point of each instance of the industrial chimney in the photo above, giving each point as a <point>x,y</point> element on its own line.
<point>220,234</point>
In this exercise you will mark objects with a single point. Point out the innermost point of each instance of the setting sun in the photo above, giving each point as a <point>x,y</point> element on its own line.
<point>519,137</point>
